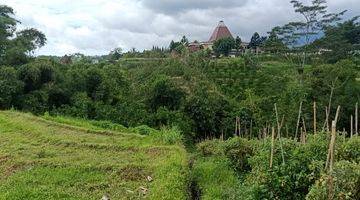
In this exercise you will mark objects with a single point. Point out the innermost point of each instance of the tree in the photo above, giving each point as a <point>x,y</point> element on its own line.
<point>256,41</point>
<point>164,93</point>
<point>10,87</point>
<point>115,54</point>
<point>299,34</point>
<point>340,41</point>
<point>16,47</point>
<point>273,44</point>
<point>238,43</point>
<point>184,41</point>
<point>223,46</point>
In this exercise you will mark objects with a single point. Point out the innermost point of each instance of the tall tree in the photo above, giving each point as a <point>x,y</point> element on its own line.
<point>256,40</point>
<point>223,46</point>
<point>299,34</point>
<point>273,44</point>
<point>16,47</point>
<point>238,43</point>
<point>340,41</point>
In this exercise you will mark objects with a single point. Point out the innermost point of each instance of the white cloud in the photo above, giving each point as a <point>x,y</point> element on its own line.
<point>97,26</point>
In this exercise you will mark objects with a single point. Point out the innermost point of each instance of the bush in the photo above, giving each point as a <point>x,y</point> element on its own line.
<point>239,150</point>
<point>346,181</point>
<point>211,148</point>
<point>350,150</point>
<point>143,130</point>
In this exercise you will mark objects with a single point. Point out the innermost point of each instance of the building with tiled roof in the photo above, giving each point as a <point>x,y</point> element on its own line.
<point>221,31</point>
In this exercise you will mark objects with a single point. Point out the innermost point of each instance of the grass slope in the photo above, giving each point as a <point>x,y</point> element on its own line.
<point>45,159</point>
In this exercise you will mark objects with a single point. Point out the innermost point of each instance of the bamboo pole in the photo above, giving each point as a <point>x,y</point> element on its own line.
<point>251,128</point>
<point>272,146</point>
<point>327,120</point>
<point>332,145</point>
<point>314,125</point>
<point>304,125</point>
<point>277,120</point>
<point>239,128</point>
<point>351,126</point>
<point>298,121</point>
<point>330,157</point>
<point>337,114</point>
<point>356,119</point>
<point>236,126</point>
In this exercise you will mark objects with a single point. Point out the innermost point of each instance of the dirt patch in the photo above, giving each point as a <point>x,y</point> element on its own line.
<point>133,173</point>
<point>4,159</point>
<point>156,151</point>
<point>12,170</point>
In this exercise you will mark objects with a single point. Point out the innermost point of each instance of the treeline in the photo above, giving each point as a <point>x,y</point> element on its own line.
<point>197,95</point>
<point>200,95</point>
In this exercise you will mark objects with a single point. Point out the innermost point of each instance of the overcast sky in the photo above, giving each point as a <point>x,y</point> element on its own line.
<point>94,27</point>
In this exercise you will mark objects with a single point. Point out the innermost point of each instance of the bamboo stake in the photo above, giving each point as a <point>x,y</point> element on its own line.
<point>298,121</point>
<point>332,143</point>
<point>304,125</point>
<point>314,125</point>
<point>351,126</point>
<point>330,157</point>
<point>277,119</point>
<point>272,146</point>
<point>239,128</point>
<point>251,128</point>
<point>356,119</point>
<point>337,114</point>
<point>327,120</point>
<point>236,126</point>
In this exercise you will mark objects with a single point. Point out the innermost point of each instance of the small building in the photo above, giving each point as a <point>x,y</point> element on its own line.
<point>221,31</point>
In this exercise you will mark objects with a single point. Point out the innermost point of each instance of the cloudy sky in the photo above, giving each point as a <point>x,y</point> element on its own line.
<point>94,27</point>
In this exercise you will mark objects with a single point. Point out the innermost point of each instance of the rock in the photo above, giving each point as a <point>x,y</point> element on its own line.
<point>105,197</point>
<point>149,178</point>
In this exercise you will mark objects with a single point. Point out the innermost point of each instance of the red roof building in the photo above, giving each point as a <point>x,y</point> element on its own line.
<point>221,31</point>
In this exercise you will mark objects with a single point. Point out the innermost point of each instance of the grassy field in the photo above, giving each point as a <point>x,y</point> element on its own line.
<point>59,158</point>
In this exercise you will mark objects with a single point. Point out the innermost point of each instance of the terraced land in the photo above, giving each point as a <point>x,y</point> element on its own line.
<point>44,159</point>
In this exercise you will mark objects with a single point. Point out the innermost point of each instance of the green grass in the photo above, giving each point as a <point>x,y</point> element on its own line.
<point>215,179</point>
<point>64,158</point>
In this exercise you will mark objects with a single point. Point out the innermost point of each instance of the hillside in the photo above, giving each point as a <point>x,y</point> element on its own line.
<point>44,159</point>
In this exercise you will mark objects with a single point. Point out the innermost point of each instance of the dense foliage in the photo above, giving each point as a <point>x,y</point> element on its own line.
<point>300,176</point>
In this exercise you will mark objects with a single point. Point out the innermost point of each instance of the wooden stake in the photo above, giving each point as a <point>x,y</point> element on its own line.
<point>304,125</point>
<point>327,120</point>
<point>251,128</point>
<point>337,114</point>
<point>272,146</point>
<point>239,128</point>
<point>332,147</point>
<point>236,126</point>
<point>298,121</point>
<point>314,125</point>
<point>277,120</point>
<point>351,126</point>
<point>330,157</point>
<point>356,119</point>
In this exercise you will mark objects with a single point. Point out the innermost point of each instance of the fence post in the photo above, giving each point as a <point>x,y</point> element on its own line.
<point>272,146</point>
<point>314,117</point>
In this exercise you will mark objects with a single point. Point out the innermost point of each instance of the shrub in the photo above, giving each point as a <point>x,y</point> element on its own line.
<point>239,150</point>
<point>346,180</point>
<point>143,130</point>
<point>211,148</point>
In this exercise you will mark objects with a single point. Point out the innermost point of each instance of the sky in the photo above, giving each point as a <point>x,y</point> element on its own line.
<point>95,27</point>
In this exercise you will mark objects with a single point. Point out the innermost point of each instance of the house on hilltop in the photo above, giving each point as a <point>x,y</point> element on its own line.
<point>221,31</point>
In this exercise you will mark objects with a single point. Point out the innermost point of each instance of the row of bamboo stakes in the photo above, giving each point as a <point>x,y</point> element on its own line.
<point>329,165</point>
<point>354,124</point>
